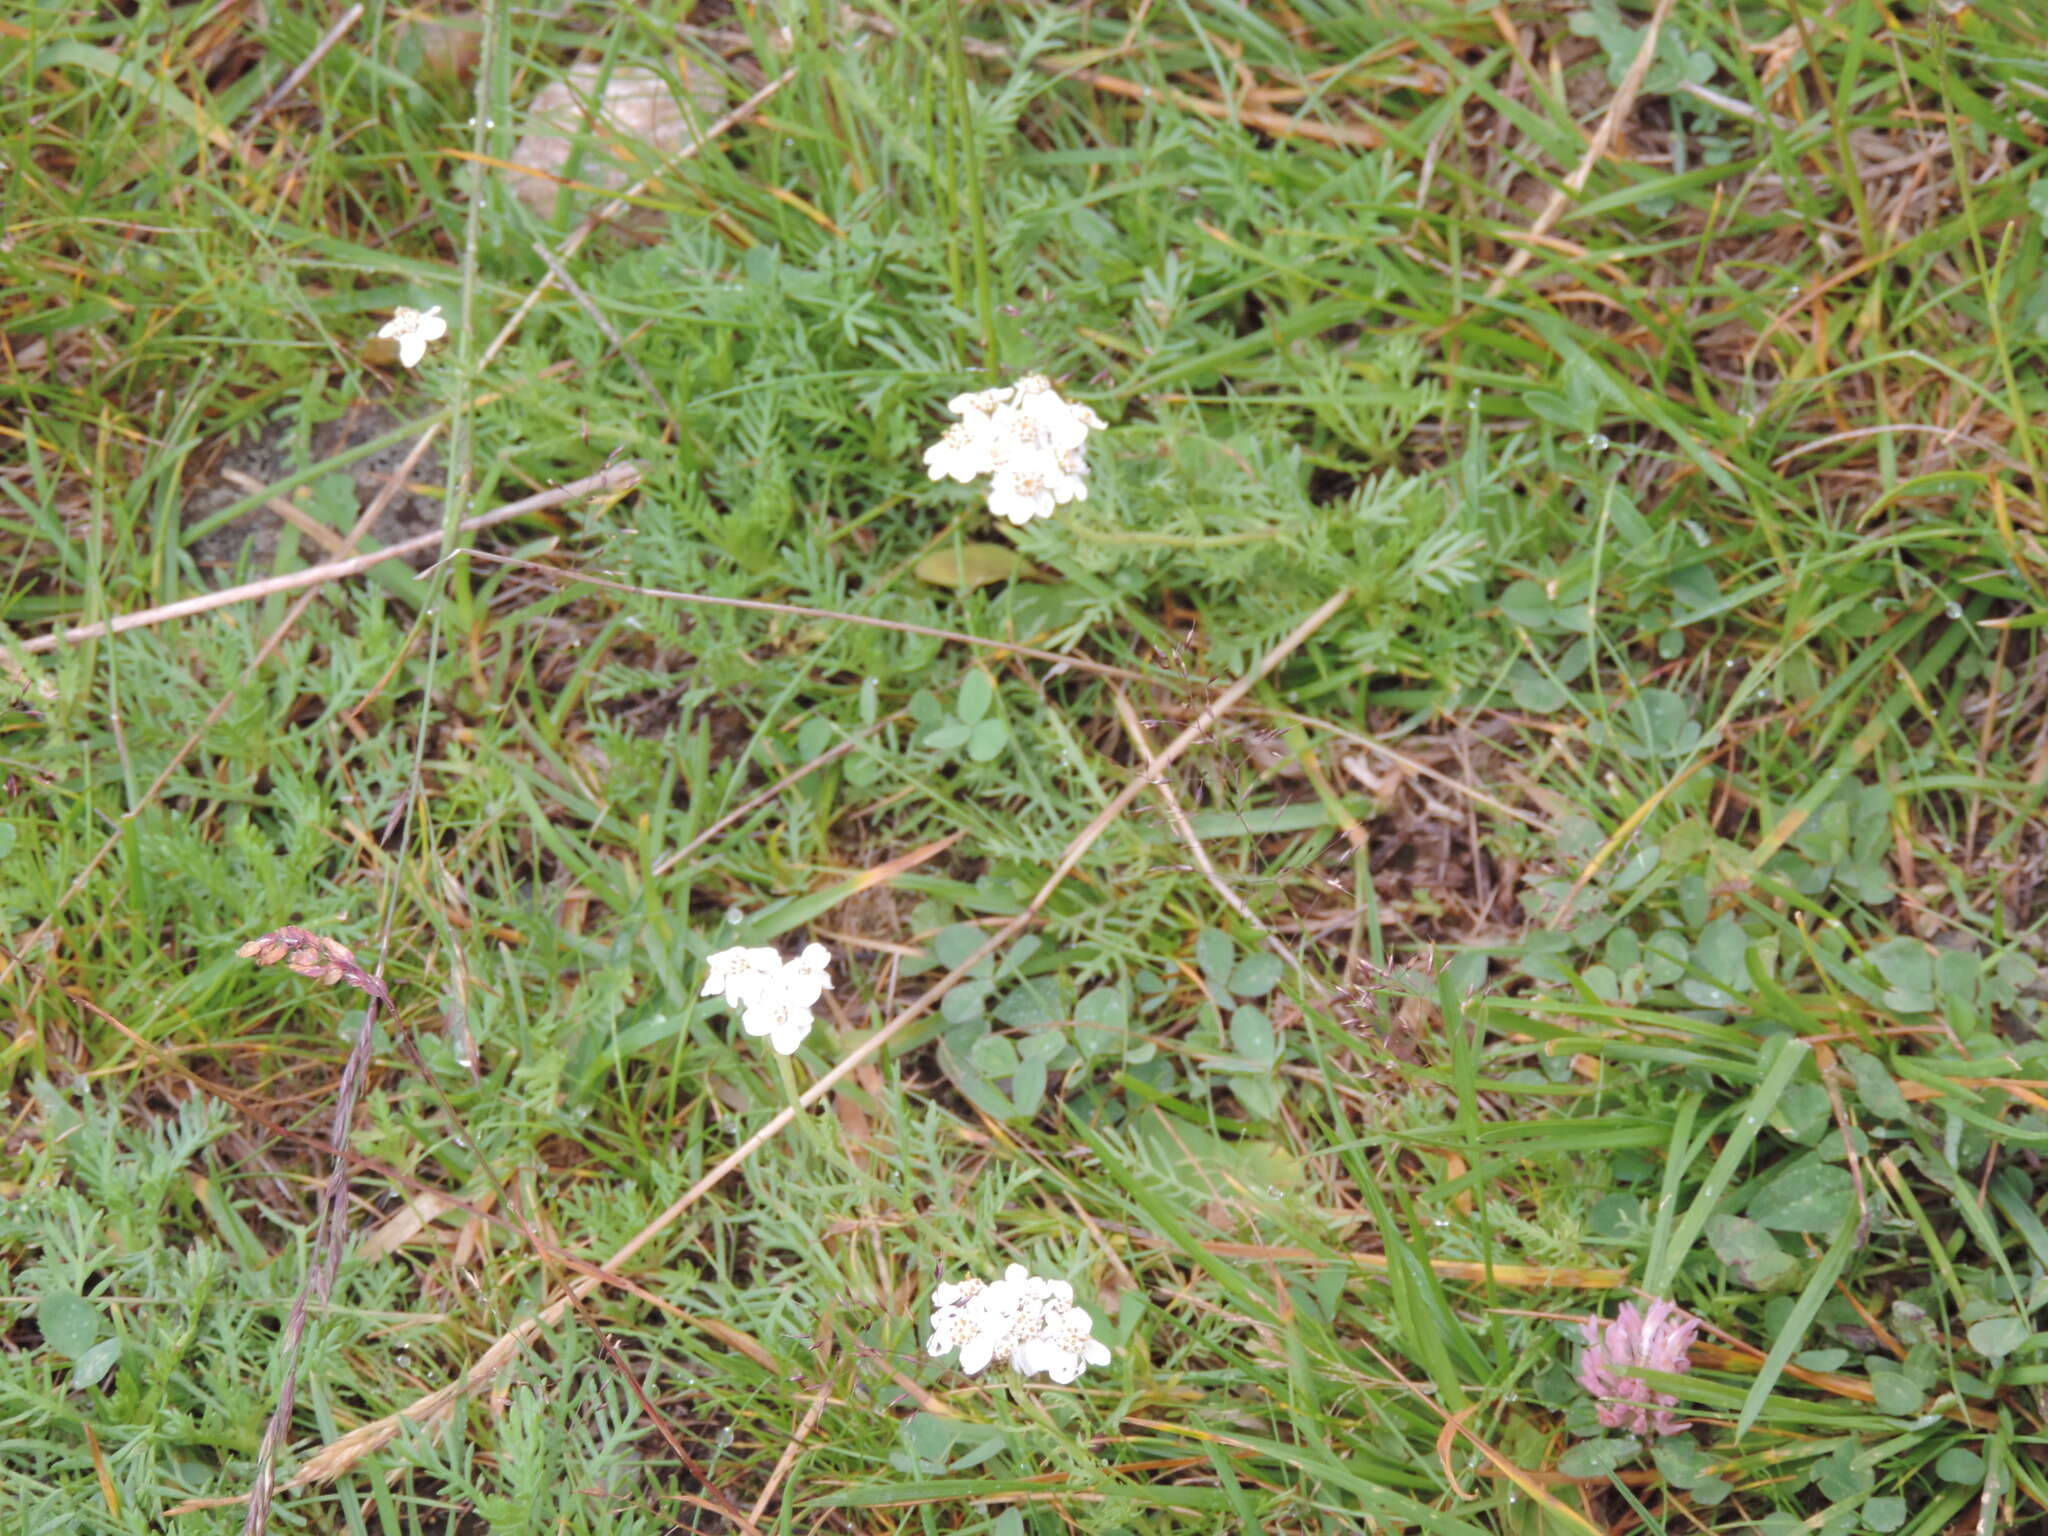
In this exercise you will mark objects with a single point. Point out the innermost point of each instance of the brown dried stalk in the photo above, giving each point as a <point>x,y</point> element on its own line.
<point>619,477</point>
<point>316,958</point>
<point>1610,126</point>
<point>326,961</point>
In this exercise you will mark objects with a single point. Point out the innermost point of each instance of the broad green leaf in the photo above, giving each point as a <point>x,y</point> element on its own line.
<point>1633,528</point>
<point>1260,1096</point>
<point>1722,951</point>
<point>1688,1465</point>
<point>1957,975</point>
<point>977,693</point>
<point>1874,1085</point>
<point>1597,1458</point>
<point>814,738</point>
<point>1809,1196</point>
<point>1997,1337</point>
<point>1803,1113</point>
<point>1618,1216</point>
<point>1907,967</point>
<point>70,1324</point>
<point>1032,1004</point>
<point>956,942</point>
<point>1664,956</point>
<point>1841,1478</point>
<point>986,741</point>
<point>1027,1086</point>
<point>1534,692</point>
<point>1960,1464</point>
<point>1652,723</point>
<point>1101,1019</point>
<point>993,1056</point>
<point>1751,1254</point>
<point>968,1000</point>
<point>974,564</point>
<point>1527,604</point>
<point>1043,1046</point>
<point>94,1364</point>
<point>978,1090</point>
<point>1256,975</point>
<point>929,1442</point>
<point>1682,1460</point>
<point>1251,1035</point>
<point>1217,956</point>
<point>1898,1396</point>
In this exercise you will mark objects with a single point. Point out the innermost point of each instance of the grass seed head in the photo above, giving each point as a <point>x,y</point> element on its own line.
<point>315,957</point>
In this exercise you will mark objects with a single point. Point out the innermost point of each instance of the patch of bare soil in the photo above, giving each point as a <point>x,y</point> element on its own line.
<point>226,472</point>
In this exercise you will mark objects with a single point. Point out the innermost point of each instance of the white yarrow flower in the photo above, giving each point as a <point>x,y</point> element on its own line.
<point>1026,438</point>
<point>1023,1319</point>
<point>412,329</point>
<point>774,996</point>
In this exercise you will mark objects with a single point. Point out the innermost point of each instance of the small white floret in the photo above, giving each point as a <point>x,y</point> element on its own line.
<point>804,980</point>
<point>412,329</point>
<point>961,454</point>
<point>1062,424</point>
<point>981,403</point>
<point>1019,495</point>
<point>784,1021</point>
<point>739,974</point>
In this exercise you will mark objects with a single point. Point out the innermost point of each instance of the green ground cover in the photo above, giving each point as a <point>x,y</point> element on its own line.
<point>1569,510</point>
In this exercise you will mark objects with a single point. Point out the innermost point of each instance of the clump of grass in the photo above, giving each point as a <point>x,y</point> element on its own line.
<point>1628,884</point>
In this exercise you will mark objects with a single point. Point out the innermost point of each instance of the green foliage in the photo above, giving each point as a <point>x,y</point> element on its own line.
<point>1673,64</point>
<point>1652,839</point>
<point>969,728</point>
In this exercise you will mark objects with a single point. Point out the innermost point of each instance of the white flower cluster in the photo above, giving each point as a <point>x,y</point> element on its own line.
<point>1027,438</point>
<point>1023,1318</point>
<point>412,329</point>
<point>774,996</point>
